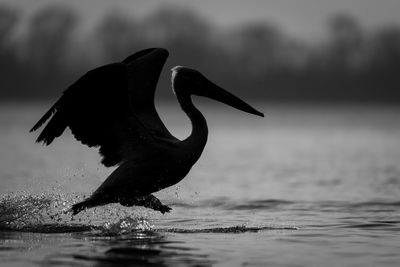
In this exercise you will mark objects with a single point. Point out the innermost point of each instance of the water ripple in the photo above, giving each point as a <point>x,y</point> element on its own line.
<point>230,230</point>
<point>229,204</point>
<point>47,213</point>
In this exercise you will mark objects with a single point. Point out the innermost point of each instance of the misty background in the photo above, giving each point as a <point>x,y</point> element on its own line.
<point>44,52</point>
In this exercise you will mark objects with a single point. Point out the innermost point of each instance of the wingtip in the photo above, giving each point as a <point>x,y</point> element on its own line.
<point>45,117</point>
<point>44,140</point>
<point>144,52</point>
<point>34,128</point>
<point>158,49</point>
<point>165,51</point>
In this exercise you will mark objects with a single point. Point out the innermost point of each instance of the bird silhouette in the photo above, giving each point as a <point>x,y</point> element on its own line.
<point>112,107</point>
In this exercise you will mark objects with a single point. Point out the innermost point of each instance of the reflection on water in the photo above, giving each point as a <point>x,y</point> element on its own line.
<point>307,186</point>
<point>141,248</point>
<point>149,248</point>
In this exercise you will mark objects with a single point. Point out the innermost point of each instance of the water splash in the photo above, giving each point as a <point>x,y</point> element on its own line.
<point>49,213</point>
<point>21,210</point>
<point>127,225</point>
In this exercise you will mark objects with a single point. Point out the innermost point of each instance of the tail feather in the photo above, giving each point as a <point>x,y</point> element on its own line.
<point>45,117</point>
<point>53,129</point>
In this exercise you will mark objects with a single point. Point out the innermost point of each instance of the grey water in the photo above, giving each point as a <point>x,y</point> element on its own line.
<point>308,185</point>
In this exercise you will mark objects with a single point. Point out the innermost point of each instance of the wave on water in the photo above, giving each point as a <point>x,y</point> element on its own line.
<point>272,204</point>
<point>231,230</point>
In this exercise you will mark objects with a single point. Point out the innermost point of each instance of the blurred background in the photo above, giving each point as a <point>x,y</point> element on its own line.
<point>324,161</point>
<point>309,50</point>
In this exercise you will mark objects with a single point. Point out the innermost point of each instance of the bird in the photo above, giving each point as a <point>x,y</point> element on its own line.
<point>112,107</point>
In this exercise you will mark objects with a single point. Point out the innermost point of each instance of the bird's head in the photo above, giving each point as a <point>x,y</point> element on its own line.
<point>191,82</point>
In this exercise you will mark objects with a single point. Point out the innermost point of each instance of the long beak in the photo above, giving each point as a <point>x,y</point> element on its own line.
<point>215,92</point>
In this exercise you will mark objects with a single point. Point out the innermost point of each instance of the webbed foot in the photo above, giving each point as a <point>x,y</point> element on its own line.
<point>149,201</point>
<point>163,209</point>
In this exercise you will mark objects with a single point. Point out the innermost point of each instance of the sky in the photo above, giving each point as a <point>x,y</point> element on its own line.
<point>301,18</point>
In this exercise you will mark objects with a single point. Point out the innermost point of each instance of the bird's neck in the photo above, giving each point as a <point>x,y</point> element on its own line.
<point>198,137</point>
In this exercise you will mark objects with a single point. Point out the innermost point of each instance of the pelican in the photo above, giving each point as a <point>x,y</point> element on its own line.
<point>112,107</point>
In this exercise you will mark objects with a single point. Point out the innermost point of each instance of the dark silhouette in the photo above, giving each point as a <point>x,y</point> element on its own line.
<point>112,107</point>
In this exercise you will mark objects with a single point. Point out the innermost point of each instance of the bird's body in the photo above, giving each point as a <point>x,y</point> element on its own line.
<point>112,107</point>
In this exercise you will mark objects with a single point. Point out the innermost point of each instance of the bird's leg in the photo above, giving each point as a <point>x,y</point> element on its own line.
<point>148,201</point>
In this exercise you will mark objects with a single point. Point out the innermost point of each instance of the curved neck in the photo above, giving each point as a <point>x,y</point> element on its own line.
<point>198,137</point>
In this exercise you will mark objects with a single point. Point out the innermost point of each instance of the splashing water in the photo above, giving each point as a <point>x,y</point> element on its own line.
<point>49,212</point>
<point>128,224</point>
<point>21,210</point>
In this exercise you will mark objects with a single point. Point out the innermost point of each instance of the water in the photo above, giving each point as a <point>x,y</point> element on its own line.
<point>305,186</point>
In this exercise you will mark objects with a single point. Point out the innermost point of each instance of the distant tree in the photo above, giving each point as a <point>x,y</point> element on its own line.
<point>9,65</point>
<point>45,49</point>
<point>175,23</point>
<point>346,43</point>
<point>8,20</point>
<point>262,48</point>
<point>118,36</point>
<point>351,65</point>
<point>385,49</point>
<point>49,37</point>
<point>183,32</point>
<point>188,37</point>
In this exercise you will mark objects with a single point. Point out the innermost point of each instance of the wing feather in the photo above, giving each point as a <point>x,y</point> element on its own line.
<point>99,108</point>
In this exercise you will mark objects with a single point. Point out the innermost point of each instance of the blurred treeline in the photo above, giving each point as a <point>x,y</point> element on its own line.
<point>254,60</point>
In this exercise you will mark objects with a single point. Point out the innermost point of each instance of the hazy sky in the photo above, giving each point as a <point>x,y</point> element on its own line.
<point>303,18</point>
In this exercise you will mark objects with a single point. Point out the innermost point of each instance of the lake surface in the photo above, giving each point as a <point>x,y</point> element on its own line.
<point>304,186</point>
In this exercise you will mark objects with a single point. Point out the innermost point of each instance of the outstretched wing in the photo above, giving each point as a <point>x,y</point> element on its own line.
<point>111,107</point>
